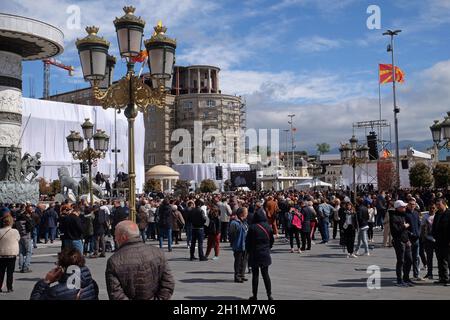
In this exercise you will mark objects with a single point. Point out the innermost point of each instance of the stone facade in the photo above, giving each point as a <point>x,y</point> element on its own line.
<point>16,192</point>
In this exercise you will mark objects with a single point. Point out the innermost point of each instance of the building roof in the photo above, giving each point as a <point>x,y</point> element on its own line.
<point>161,171</point>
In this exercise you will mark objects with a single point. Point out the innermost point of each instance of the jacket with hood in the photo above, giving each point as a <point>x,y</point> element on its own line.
<point>259,242</point>
<point>88,288</point>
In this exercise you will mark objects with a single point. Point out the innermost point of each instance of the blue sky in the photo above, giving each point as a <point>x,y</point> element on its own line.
<point>314,58</point>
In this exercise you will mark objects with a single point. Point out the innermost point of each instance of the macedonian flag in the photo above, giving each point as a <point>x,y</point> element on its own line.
<point>141,56</point>
<point>385,72</point>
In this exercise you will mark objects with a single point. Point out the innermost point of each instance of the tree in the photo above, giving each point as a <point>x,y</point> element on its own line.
<point>323,148</point>
<point>44,187</point>
<point>441,175</point>
<point>56,186</point>
<point>152,185</point>
<point>208,185</point>
<point>420,176</point>
<point>385,175</point>
<point>181,188</point>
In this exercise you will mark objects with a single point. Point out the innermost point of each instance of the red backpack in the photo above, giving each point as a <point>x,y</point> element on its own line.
<point>297,219</point>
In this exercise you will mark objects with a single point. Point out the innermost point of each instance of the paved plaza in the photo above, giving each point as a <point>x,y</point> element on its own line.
<point>322,273</point>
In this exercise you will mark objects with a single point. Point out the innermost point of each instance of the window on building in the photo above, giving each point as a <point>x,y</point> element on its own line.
<point>187,105</point>
<point>151,159</point>
<point>211,103</point>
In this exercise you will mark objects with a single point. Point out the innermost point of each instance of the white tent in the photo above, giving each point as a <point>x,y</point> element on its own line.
<point>310,184</point>
<point>46,124</point>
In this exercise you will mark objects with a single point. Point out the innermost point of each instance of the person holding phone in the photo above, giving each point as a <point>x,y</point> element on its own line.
<point>73,278</point>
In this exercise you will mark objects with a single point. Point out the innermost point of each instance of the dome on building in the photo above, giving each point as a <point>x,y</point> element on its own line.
<point>161,171</point>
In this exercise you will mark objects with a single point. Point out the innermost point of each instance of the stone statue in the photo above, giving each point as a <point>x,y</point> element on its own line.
<point>96,189</point>
<point>68,182</point>
<point>30,164</point>
<point>12,164</point>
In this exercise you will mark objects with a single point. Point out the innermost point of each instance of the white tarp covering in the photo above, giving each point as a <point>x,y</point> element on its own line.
<point>312,184</point>
<point>201,171</point>
<point>50,123</point>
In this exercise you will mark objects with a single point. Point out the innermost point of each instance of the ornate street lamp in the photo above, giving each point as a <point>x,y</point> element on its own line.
<point>440,131</point>
<point>75,144</point>
<point>131,93</point>
<point>353,154</point>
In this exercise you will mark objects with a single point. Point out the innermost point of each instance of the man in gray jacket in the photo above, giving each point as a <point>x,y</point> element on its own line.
<point>225,213</point>
<point>137,271</point>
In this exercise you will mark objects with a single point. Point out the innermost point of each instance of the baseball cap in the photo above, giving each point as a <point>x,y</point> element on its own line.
<point>399,204</point>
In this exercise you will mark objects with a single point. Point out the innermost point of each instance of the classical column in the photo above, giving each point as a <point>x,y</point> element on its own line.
<point>10,103</point>
<point>189,80</point>
<point>198,80</point>
<point>209,80</point>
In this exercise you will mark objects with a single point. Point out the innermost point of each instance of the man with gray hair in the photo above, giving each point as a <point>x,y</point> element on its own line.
<point>137,271</point>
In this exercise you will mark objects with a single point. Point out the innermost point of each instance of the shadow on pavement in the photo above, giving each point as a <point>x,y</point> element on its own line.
<point>210,272</point>
<point>201,280</point>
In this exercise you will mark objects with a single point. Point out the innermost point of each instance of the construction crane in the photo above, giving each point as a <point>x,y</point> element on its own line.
<point>56,63</point>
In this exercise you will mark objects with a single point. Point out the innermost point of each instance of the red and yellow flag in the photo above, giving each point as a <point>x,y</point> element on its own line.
<point>141,56</point>
<point>385,72</point>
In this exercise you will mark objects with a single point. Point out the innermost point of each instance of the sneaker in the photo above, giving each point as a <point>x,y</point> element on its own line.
<point>299,251</point>
<point>215,258</point>
<point>9,291</point>
<point>409,283</point>
<point>193,258</point>
<point>238,280</point>
<point>93,256</point>
<point>244,279</point>
<point>348,255</point>
<point>27,270</point>
<point>401,284</point>
<point>102,255</point>
<point>292,250</point>
<point>269,297</point>
<point>204,259</point>
<point>353,255</point>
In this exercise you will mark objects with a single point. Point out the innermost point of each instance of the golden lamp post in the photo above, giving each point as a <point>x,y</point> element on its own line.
<point>130,92</point>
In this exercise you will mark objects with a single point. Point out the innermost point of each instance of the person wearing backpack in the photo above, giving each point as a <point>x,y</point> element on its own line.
<point>294,225</point>
<point>259,241</point>
<point>213,229</point>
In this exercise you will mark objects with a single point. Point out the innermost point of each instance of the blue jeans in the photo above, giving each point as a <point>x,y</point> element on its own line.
<point>77,244</point>
<point>166,233</point>
<point>325,231</point>
<point>188,233</point>
<point>197,235</point>
<point>25,252</point>
<point>151,230</point>
<point>35,235</point>
<point>143,235</point>
<point>415,246</point>
<point>362,237</point>
<point>52,232</point>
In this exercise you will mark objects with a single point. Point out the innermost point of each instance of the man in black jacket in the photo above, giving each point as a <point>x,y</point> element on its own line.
<point>402,245</point>
<point>73,230</point>
<point>24,224</point>
<point>165,224</point>
<point>441,233</point>
<point>412,218</point>
<point>196,218</point>
<point>100,227</point>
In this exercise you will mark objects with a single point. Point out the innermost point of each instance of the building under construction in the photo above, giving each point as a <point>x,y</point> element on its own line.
<point>195,96</point>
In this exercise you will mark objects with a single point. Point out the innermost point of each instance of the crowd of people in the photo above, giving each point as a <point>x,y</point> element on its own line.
<point>415,224</point>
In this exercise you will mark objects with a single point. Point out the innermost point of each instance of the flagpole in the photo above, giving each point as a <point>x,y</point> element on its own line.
<point>396,109</point>
<point>380,128</point>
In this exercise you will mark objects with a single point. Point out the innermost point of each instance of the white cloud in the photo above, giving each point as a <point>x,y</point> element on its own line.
<point>317,43</point>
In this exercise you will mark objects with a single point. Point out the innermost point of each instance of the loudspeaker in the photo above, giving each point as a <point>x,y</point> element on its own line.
<point>405,164</point>
<point>219,173</point>
<point>372,144</point>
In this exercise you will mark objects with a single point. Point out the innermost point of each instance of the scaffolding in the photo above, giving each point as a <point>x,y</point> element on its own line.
<point>375,126</point>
